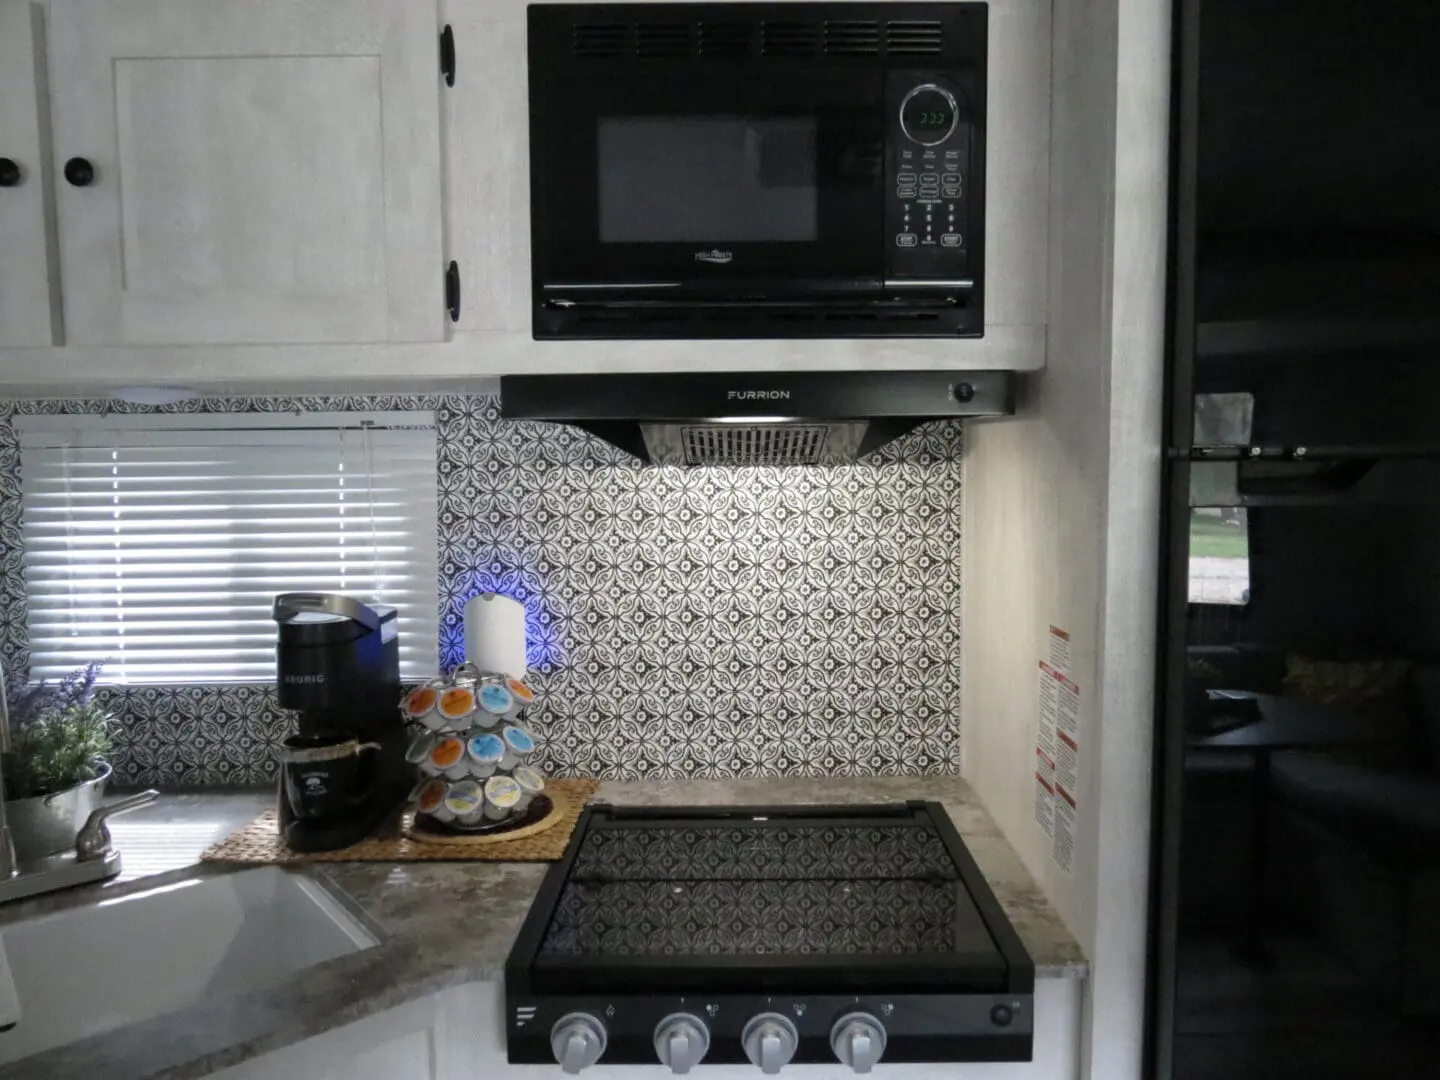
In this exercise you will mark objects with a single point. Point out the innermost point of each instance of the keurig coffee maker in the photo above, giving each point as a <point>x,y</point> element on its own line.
<point>338,667</point>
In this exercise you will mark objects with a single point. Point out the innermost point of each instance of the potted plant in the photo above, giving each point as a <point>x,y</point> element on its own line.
<point>56,768</point>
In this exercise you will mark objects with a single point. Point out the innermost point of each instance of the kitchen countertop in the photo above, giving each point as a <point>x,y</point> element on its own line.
<point>428,948</point>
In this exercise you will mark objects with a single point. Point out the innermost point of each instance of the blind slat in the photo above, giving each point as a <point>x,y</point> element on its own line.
<point>161,551</point>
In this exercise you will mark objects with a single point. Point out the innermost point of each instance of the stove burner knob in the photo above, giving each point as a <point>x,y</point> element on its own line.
<point>681,1041</point>
<point>858,1040</point>
<point>578,1040</point>
<point>770,1041</point>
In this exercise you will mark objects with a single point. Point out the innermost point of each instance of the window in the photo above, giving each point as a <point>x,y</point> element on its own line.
<point>1219,528</point>
<point>157,542</point>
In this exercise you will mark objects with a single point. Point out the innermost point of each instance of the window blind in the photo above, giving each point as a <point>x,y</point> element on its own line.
<point>157,542</point>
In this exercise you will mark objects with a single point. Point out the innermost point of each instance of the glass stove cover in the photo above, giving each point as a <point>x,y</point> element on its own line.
<point>737,891</point>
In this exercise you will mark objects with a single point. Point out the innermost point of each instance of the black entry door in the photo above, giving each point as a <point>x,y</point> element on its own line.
<point>1298,850</point>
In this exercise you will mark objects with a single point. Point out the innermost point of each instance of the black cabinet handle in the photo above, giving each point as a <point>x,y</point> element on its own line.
<point>9,172</point>
<point>452,291</point>
<point>79,172</point>
<point>447,55</point>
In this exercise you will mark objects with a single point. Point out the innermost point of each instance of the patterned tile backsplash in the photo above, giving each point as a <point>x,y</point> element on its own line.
<point>707,622</point>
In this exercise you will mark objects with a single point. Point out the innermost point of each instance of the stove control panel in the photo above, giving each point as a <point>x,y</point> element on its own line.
<point>768,1031</point>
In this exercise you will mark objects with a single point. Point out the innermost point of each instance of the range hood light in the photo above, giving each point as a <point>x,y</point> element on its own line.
<point>756,420</point>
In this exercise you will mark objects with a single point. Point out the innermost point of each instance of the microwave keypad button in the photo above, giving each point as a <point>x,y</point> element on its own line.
<point>951,178</point>
<point>905,192</point>
<point>950,239</point>
<point>951,191</point>
<point>905,178</point>
<point>906,239</point>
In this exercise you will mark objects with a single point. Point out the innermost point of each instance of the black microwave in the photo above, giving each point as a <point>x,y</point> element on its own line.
<point>757,170</point>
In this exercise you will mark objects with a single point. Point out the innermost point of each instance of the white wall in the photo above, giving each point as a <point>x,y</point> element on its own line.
<point>1062,509</point>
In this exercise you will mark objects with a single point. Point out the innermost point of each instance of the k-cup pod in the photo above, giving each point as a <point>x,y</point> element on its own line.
<point>447,758</point>
<point>466,800</point>
<point>496,701</point>
<point>523,695</point>
<point>502,794</point>
<point>456,705</point>
<point>531,784</point>
<point>519,745</point>
<point>486,750</point>
<point>430,799</point>
<point>420,748</point>
<point>420,705</point>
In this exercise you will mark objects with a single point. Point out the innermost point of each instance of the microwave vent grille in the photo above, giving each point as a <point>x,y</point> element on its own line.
<point>778,38</point>
<point>852,37</point>
<point>602,39</point>
<point>727,38</point>
<point>913,36</point>
<point>655,40</point>
<point>647,40</point>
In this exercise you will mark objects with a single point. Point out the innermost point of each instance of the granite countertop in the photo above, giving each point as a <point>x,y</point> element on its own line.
<point>429,948</point>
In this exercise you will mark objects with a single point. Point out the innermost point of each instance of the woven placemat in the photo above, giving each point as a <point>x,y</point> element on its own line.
<point>259,842</point>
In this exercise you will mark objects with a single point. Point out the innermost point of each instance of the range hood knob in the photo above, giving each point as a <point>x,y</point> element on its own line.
<point>578,1040</point>
<point>681,1041</point>
<point>770,1041</point>
<point>964,393</point>
<point>858,1040</point>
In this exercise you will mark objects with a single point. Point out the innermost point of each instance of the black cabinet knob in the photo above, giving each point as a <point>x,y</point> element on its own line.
<point>9,172</point>
<point>79,172</point>
<point>964,393</point>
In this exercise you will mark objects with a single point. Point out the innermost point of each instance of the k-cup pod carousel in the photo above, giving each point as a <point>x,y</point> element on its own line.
<point>472,754</point>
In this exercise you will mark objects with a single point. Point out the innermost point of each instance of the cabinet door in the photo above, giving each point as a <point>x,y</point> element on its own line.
<point>489,167</point>
<point>262,172</point>
<point>405,1043</point>
<point>29,306</point>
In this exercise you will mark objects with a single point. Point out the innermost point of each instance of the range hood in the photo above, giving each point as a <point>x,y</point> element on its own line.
<point>743,418</point>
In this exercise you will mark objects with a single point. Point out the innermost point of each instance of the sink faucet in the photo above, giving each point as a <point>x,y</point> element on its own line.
<point>94,858</point>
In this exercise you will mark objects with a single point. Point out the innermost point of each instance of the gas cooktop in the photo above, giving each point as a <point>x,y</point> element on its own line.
<point>721,935</point>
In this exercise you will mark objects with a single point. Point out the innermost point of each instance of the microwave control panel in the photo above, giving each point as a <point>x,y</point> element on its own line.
<point>927,178</point>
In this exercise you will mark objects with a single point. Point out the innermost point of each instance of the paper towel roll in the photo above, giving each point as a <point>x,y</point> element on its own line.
<point>495,634</point>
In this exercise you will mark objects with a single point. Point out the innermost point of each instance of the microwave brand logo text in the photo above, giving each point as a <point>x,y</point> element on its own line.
<point>758,395</point>
<point>714,255</point>
<point>313,679</point>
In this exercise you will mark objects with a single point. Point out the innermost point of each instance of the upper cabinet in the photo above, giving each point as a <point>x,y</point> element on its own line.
<point>250,173</point>
<point>29,298</point>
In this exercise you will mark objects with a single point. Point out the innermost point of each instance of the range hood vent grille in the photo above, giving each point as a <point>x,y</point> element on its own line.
<point>754,444</point>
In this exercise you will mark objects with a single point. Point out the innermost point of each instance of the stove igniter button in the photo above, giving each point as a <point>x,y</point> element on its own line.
<point>681,1041</point>
<point>770,1041</point>
<point>858,1040</point>
<point>578,1040</point>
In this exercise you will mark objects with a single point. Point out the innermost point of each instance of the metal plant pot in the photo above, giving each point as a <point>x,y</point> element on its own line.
<point>47,824</point>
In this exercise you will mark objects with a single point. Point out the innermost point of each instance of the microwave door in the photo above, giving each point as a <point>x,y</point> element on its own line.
<point>689,180</point>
